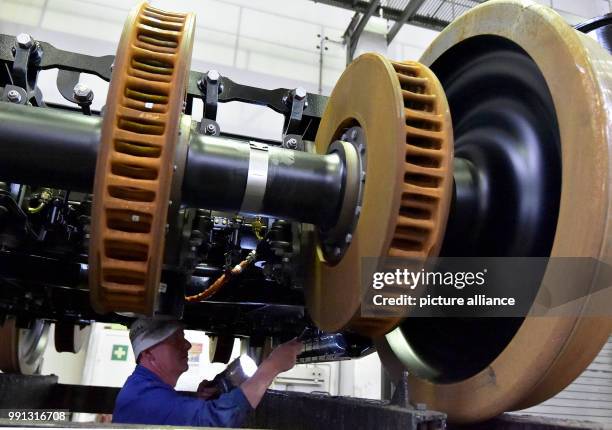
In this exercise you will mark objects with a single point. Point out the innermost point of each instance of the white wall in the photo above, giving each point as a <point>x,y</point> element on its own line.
<point>249,40</point>
<point>361,378</point>
<point>67,366</point>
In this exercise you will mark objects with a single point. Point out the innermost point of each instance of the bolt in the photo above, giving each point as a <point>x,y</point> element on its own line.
<point>23,40</point>
<point>175,167</point>
<point>13,96</point>
<point>210,128</point>
<point>135,218</point>
<point>82,93</point>
<point>300,93</point>
<point>292,143</point>
<point>348,238</point>
<point>337,251</point>
<point>212,76</point>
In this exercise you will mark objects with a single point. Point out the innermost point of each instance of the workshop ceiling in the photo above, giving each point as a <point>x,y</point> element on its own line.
<point>432,14</point>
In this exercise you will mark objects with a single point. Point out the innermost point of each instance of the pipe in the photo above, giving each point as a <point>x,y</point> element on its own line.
<point>58,149</point>
<point>48,147</point>
<point>298,186</point>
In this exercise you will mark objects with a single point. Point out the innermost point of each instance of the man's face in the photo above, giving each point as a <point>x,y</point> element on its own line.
<point>171,353</point>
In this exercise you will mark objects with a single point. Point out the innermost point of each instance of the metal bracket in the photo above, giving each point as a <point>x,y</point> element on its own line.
<point>66,81</point>
<point>27,55</point>
<point>276,99</point>
<point>210,86</point>
<point>58,59</point>
<point>297,100</point>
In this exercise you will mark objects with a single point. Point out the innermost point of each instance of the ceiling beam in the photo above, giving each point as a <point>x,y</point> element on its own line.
<point>409,11</point>
<point>355,28</point>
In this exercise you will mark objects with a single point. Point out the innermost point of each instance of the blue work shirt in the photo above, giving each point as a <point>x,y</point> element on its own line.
<point>146,399</point>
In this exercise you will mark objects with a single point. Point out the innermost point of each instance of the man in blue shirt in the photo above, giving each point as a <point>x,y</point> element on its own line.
<point>148,396</point>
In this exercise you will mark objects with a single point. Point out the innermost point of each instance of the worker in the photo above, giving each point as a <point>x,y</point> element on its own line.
<point>148,396</point>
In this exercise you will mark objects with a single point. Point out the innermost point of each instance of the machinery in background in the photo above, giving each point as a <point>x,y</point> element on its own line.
<point>494,144</point>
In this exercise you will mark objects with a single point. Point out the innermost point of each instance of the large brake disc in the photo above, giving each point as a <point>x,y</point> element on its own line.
<point>474,370</point>
<point>135,162</point>
<point>404,118</point>
<point>22,349</point>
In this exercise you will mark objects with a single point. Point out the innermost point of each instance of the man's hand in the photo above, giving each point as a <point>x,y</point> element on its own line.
<point>283,357</point>
<point>207,391</point>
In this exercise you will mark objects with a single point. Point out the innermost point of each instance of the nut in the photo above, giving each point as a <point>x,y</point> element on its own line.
<point>13,96</point>
<point>213,76</point>
<point>24,40</point>
<point>82,93</point>
<point>300,93</point>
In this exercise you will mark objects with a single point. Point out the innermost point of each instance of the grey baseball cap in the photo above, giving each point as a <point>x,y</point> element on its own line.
<point>148,332</point>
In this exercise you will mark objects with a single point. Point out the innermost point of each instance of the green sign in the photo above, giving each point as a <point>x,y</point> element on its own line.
<point>120,353</point>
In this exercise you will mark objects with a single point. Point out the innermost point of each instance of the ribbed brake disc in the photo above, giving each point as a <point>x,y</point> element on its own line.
<point>135,161</point>
<point>402,111</point>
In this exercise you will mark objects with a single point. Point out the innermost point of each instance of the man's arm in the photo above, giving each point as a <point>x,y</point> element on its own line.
<point>281,359</point>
